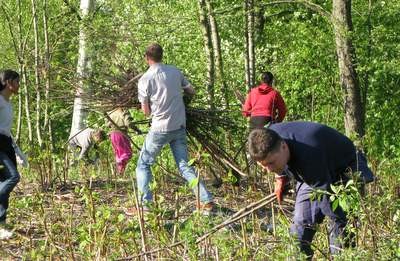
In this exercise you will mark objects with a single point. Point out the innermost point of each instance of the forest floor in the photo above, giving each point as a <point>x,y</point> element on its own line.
<point>83,219</point>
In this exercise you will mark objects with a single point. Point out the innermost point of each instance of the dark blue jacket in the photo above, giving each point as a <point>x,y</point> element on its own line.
<point>319,155</point>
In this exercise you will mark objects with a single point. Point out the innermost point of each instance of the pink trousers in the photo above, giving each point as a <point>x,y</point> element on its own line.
<point>122,149</point>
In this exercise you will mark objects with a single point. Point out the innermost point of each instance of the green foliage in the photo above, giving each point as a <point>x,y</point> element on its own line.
<point>295,43</point>
<point>346,196</point>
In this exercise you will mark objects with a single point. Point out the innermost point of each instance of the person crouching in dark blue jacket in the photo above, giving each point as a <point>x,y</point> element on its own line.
<point>317,156</point>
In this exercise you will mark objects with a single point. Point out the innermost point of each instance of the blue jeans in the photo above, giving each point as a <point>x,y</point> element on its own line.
<point>9,177</point>
<point>308,213</point>
<point>152,146</point>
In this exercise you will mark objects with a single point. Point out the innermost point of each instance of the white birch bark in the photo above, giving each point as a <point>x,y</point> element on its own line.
<point>37,79</point>
<point>250,43</point>
<point>208,48</point>
<point>216,42</point>
<point>83,70</point>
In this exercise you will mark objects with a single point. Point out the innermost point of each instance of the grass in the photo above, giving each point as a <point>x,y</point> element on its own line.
<point>83,219</point>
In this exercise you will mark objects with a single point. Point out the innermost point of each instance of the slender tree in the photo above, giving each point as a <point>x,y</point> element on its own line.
<point>19,43</point>
<point>46,76</point>
<point>342,24</point>
<point>216,42</point>
<point>83,68</point>
<point>249,43</point>
<point>209,51</point>
<point>37,77</point>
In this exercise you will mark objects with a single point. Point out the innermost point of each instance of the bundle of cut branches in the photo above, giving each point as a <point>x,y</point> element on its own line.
<point>115,91</point>
<point>206,126</point>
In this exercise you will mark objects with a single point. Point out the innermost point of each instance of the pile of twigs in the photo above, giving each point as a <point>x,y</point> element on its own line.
<point>205,126</point>
<point>102,92</point>
<point>115,91</point>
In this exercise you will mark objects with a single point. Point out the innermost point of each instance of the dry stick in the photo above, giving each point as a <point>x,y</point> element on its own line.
<point>140,218</point>
<point>246,211</point>
<point>237,216</point>
<point>215,153</point>
<point>176,217</point>
<point>133,79</point>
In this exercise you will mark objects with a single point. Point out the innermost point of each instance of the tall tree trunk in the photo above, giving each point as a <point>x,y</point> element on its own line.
<point>37,79</point>
<point>249,36</point>
<point>216,42</point>
<point>83,69</point>
<point>46,71</point>
<point>208,48</point>
<point>342,23</point>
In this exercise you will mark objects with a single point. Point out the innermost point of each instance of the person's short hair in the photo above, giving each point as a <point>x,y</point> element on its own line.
<point>267,77</point>
<point>155,52</point>
<point>6,75</point>
<point>263,141</point>
<point>99,135</point>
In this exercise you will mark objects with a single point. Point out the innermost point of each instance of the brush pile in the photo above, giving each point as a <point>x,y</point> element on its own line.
<point>209,127</point>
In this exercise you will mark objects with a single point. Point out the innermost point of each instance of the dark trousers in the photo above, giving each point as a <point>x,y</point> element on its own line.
<point>9,176</point>
<point>258,122</point>
<point>308,213</point>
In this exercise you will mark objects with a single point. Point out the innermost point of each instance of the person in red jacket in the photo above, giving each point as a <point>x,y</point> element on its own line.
<point>264,104</point>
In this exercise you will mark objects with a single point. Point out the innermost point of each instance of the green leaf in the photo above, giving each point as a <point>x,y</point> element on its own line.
<point>193,183</point>
<point>334,189</point>
<point>121,217</point>
<point>191,162</point>
<point>335,204</point>
<point>349,183</point>
<point>343,204</point>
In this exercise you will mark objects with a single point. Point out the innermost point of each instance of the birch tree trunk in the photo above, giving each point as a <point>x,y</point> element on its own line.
<point>46,61</point>
<point>208,48</point>
<point>46,76</point>
<point>27,110</point>
<point>249,36</point>
<point>37,79</point>
<point>83,69</point>
<point>342,23</point>
<point>216,42</point>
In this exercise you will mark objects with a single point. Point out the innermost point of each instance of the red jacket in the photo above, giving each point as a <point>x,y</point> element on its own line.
<point>264,100</point>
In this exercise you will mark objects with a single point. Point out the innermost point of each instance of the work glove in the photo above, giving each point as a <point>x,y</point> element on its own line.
<point>280,185</point>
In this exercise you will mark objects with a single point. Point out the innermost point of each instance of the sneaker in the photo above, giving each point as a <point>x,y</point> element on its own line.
<point>5,234</point>
<point>133,211</point>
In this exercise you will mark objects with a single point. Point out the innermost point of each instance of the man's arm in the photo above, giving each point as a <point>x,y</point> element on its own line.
<point>84,152</point>
<point>146,108</point>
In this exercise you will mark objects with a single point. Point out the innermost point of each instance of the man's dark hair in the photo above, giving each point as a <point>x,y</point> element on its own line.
<point>6,75</point>
<point>263,141</point>
<point>267,77</point>
<point>155,52</point>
